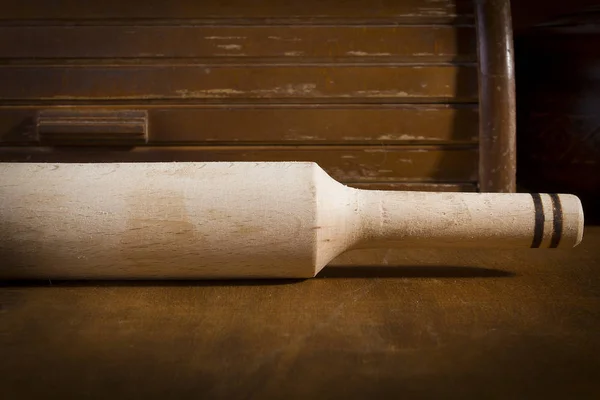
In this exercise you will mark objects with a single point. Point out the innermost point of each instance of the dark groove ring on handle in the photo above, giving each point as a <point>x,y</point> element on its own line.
<point>557,222</point>
<point>540,219</point>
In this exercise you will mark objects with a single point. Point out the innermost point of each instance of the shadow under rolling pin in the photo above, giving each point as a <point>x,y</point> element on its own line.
<point>241,220</point>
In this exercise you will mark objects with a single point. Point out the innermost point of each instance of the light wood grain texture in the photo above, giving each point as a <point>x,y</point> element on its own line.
<point>241,220</point>
<point>392,164</point>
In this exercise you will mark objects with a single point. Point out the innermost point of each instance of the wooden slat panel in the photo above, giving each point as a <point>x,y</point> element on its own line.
<point>215,82</point>
<point>281,124</point>
<point>345,163</point>
<point>188,9</point>
<point>296,42</point>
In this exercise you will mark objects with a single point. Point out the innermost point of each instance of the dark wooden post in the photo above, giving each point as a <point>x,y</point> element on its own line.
<point>497,125</point>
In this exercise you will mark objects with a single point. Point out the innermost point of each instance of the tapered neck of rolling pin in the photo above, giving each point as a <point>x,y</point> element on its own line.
<point>392,219</point>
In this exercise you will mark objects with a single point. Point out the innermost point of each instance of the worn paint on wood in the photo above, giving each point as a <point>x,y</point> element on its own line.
<point>208,82</point>
<point>264,124</point>
<point>497,106</point>
<point>277,73</point>
<point>416,43</point>
<point>438,10</point>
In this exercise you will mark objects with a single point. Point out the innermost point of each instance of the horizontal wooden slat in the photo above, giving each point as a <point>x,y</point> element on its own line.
<point>345,163</point>
<point>280,123</point>
<point>417,186</point>
<point>188,9</point>
<point>216,82</point>
<point>296,42</point>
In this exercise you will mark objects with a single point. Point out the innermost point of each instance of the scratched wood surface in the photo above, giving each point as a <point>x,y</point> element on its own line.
<point>441,10</point>
<point>430,324</point>
<point>231,82</point>
<point>235,74</point>
<point>294,43</point>
<point>276,123</point>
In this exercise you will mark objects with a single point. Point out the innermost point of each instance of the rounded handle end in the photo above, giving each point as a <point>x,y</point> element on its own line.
<point>568,212</point>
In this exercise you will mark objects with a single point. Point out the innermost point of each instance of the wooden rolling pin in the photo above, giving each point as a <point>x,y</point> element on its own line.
<point>241,220</point>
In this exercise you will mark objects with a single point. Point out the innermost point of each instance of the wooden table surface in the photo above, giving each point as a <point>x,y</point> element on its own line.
<point>430,324</point>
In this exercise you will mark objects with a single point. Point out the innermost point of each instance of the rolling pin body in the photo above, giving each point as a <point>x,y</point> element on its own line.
<point>241,220</point>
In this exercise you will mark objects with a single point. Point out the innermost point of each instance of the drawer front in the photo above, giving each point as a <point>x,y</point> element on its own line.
<point>383,95</point>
